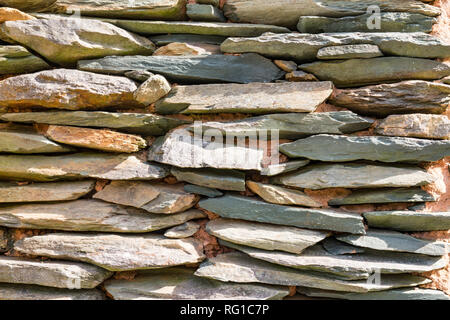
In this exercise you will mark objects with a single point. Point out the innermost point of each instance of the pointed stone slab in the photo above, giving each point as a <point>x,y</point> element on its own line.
<point>32,292</point>
<point>181,284</point>
<point>352,266</point>
<point>182,231</point>
<point>335,247</point>
<point>246,98</point>
<point>17,59</point>
<point>335,148</point>
<point>27,5</point>
<point>350,51</point>
<point>355,175</point>
<point>58,274</point>
<point>115,252</point>
<point>265,236</point>
<point>232,180</point>
<point>413,96</point>
<point>204,191</point>
<point>90,215</point>
<point>250,209</point>
<point>239,267</point>
<point>44,192</point>
<point>385,240</point>
<point>138,123</point>
<point>79,165</point>
<point>275,169</point>
<point>245,68</point>
<point>384,196</point>
<point>395,294</point>
<point>152,197</point>
<point>409,220</point>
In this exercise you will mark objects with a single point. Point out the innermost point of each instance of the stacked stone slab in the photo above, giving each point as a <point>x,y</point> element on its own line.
<point>302,140</point>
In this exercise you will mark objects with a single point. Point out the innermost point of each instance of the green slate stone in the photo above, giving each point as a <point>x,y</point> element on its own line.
<point>212,178</point>
<point>351,51</point>
<point>335,247</point>
<point>204,191</point>
<point>276,169</point>
<point>17,59</point>
<point>204,12</point>
<point>409,220</point>
<point>165,39</point>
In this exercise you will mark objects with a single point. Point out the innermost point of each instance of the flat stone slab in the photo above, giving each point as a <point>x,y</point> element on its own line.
<point>17,59</point>
<point>335,247</point>
<point>58,274</point>
<point>165,39</point>
<point>335,148</point>
<point>32,292</point>
<point>231,180</point>
<point>265,236</point>
<point>409,220</point>
<point>138,123</point>
<point>44,192</point>
<point>239,267</point>
<point>246,98</point>
<point>350,51</point>
<point>355,175</point>
<point>381,100</point>
<point>181,284</point>
<point>79,165</point>
<point>152,197</point>
<point>115,252</point>
<point>245,68</point>
<point>250,209</point>
<point>67,89</point>
<point>415,125</point>
<point>384,196</point>
<point>82,39</point>
<point>27,5</point>
<point>276,169</point>
<point>204,191</point>
<point>185,230</point>
<point>204,12</point>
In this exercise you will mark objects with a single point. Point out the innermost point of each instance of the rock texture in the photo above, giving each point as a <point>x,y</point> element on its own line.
<point>415,125</point>
<point>27,5</point>
<point>32,292</point>
<point>409,220</point>
<point>204,191</point>
<point>182,231</point>
<point>153,89</point>
<point>232,180</point>
<point>351,51</point>
<point>17,59</point>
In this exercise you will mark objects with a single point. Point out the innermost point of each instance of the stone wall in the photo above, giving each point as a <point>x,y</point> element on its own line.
<point>239,149</point>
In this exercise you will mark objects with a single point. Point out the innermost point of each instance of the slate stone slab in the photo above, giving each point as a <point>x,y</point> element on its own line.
<point>17,59</point>
<point>182,231</point>
<point>165,39</point>
<point>276,169</point>
<point>355,175</point>
<point>181,284</point>
<point>32,292</point>
<point>409,220</point>
<point>335,148</point>
<point>335,247</point>
<point>204,12</point>
<point>115,252</point>
<point>351,51</point>
<point>232,180</point>
<point>192,69</point>
<point>204,191</point>
<point>250,209</point>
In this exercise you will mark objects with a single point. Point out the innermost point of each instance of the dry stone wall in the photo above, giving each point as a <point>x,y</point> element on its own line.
<point>239,149</point>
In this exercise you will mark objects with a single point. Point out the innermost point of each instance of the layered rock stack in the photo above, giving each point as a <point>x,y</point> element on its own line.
<point>239,149</point>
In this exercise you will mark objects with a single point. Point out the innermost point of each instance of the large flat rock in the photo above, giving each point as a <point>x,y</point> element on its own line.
<point>27,5</point>
<point>232,180</point>
<point>355,175</point>
<point>115,252</point>
<point>181,284</point>
<point>90,215</point>
<point>44,192</point>
<point>265,236</point>
<point>58,274</point>
<point>251,209</point>
<point>33,292</point>
<point>349,51</point>
<point>138,123</point>
<point>333,148</point>
<point>79,165</point>
<point>246,98</point>
<point>413,96</point>
<point>67,89</point>
<point>17,59</point>
<point>409,220</point>
<point>82,39</point>
<point>192,69</point>
<point>241,268</point>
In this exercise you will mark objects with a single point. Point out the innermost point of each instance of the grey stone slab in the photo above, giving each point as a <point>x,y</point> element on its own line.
<point>409,220</point>
<point>232,180</point>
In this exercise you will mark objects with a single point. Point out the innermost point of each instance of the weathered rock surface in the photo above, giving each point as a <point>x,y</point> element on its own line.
<point>385,240</point>
<point>79,165</point>
<point>44,192</point>
<point>355,175</point>
<point>3,240</point>
<point>250,209</point>
<point>139,123</point>
<point>152,90</point>
<point>415,125</point>
<point>31,292</point>
<point>154,198</point>
<point>350,51</point>
<point>104,140</point>
<point>265,236</point>
<point>215,3</point>
<point>389,22</point>
<point>202,12</point>
<point>384,196</point>
<point>276,169</point>
<point>402,97</point>
<point>181,284</point>
<point>280,195</point>
<point>246,98</point>
<point>287,66</point>
<point>59,274</point>
<point>82,39</point>
<point>67,89</point>
<point>300,76</point>
<point>27,5</point>
<point>17,59</point>
<point>232,180</point>
<point>90,215</point>
<point>183,49</point>
<point>409,220</point>
<point>115,252</point>
<point>11,14</point>
<point>359,72</point>
<point>204,191</point>
<point>336,148</point>
<point>335,247</point>
<point>193,39</point>
<point>238,267</point>
<point>182,231</point>
<point>245,68</point>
